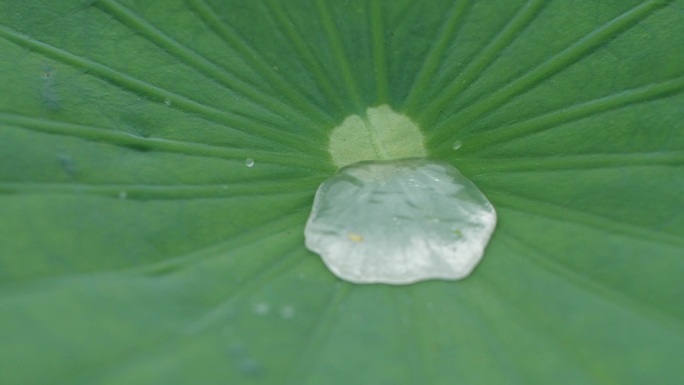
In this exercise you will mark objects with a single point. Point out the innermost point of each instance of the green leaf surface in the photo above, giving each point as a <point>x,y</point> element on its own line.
<point>136,247</point>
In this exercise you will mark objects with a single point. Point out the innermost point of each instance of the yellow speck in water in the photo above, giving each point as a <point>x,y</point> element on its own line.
<point>358,238</point>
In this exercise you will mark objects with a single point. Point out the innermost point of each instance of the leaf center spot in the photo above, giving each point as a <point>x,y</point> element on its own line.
<point>381,134</point>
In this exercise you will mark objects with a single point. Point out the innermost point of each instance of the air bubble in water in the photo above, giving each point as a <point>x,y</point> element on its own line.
<point>399,222</point>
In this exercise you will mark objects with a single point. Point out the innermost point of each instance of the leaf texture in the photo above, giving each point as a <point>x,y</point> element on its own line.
<point>136,247</point>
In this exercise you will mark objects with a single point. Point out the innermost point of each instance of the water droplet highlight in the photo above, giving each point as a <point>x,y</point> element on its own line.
<point>287,311</point>
<point>457,144</point>
<point>261,308</point>
<point>399,222</point>
<point>249,162</point>
<point>249,366</point>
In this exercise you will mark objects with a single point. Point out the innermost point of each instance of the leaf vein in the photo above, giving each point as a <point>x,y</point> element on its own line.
<point>335,40</point>
<point>230,35</point>
<point>464,79</point>
<point>572,162</point>
<point>126,140</point>
<point>305,53</point>
<point>594,286</point>
<point>565,213</point>
<point>245,125</point>
<point>450,27</point>
<point>599,36</point>
<point>552,120</point>
<point>218,73</point>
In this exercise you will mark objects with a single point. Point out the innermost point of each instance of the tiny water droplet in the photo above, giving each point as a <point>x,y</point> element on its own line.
<point>249,162</point>
<point>249,366</point>
<point>261,308</point>
<point>457,144</point>
<point>167,101</point>
<point>287,311</point>
<point>237,349</point>
<point>354,237</point>
<point>123,194</point>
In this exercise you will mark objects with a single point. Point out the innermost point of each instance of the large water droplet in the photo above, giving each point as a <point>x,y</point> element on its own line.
<point>399,222</point>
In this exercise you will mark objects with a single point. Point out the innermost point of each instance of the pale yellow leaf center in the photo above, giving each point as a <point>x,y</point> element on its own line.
<point>382,134</point>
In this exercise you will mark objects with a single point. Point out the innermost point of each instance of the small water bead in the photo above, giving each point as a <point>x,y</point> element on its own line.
<point>245,362</point>
<point>457,144</point>
<point>249,162</point>
<point>248,365</point>
<point>399,222</point>
<point>287,311</point>
<point>261,308</point>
